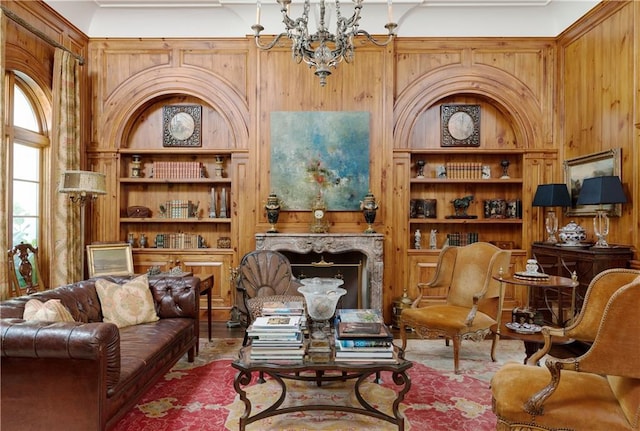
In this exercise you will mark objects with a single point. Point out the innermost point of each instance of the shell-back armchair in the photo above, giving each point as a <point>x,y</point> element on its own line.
<point>599,390</point>
<point>264,275</point>
<point>585,326</point>
<point>473,297</point>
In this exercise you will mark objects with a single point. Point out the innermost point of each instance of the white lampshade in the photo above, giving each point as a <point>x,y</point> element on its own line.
<point>83,182</point>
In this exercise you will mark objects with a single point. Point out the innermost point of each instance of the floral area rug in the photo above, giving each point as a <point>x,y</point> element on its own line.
<point>200,395</point>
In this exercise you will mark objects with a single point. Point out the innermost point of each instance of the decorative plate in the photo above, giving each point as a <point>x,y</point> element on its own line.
<point>523,328</point>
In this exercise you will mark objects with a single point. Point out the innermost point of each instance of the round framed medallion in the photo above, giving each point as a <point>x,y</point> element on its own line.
<point>460,125</point>
<point>182,126</point>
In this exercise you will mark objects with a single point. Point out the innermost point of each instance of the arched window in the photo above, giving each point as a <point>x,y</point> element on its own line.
<point>28,141</point>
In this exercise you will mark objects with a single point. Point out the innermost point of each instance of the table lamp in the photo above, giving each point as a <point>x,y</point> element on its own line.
<point>601,191</point>
<point>549,196</point>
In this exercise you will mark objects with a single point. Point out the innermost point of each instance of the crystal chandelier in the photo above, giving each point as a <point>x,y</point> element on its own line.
<point>322,50</point>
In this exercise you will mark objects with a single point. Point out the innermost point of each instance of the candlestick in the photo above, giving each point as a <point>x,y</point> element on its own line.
<point>212,204</point>
<point>258,7</point>
<point>389,11</point>
<point>223,203</point>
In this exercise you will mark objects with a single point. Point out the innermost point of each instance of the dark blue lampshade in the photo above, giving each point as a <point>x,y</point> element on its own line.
<point>601,190</point>
<point>552,195</point>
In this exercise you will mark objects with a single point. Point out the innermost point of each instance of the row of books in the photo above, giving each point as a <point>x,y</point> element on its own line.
<point>177,170</point>
<point>179,208</point>
<point>362,336</point>
<point>277,335</point>
<point>464,170</point>
<point>179,240</point>
<point>462,239</point>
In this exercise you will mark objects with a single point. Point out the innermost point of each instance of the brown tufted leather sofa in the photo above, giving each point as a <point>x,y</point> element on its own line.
<point>85,375</point>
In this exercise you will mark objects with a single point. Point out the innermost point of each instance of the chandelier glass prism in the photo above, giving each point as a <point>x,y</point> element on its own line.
<point>322,50</point>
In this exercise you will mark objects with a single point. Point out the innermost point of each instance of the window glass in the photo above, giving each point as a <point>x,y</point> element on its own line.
<point>26,155</point>
<point>26,162</point>
<point>23,114</point>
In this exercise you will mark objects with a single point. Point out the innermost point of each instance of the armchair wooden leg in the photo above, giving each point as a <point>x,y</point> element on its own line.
<point>403,334</point>
<point>456,354</point>
<point>494,345</point>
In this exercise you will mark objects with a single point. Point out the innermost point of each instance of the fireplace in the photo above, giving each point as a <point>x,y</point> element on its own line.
<point>343,250</point>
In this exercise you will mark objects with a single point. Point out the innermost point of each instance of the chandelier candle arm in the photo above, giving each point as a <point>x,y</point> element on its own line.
<point>321,50</point>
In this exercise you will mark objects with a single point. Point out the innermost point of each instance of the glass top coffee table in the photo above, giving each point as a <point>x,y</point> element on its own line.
<point>322,371</point>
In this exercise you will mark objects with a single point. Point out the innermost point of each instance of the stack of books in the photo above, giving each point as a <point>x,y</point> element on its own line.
<point>276,338</point>
<point>362,336</point>
<point>286,308</point>
<point>283,308</point>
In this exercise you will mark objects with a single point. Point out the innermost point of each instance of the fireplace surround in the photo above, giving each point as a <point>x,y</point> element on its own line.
<point>370,245</point>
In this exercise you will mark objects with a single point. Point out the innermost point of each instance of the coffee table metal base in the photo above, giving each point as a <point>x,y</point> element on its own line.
<point>318,373</point>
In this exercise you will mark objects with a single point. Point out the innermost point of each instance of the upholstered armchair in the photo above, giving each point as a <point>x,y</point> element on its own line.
<point>585,326</point>
<point>264,275</point>
<point>473,299</point>
<point>599,390</point>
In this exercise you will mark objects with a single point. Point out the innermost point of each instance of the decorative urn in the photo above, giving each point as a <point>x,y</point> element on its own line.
<point>273,211</point>
<point>369,208</point>
<point>572,234</point>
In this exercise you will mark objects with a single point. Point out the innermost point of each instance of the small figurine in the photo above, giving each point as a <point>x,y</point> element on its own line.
<point>417,240</point>
<point>420,164</point>
<point>432,239</point>
<point>505,169</point>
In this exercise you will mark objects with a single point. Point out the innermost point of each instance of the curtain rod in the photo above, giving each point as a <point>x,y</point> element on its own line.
<point>11,15</point>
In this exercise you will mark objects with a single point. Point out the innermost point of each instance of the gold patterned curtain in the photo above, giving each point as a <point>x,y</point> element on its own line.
<point>4,240</point>
<point>67,259</point>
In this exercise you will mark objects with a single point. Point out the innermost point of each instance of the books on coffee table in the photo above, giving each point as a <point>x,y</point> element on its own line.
<point>361,315</point>
<point>282,308</point>
<point>276,338</point>
<point>276,323</point>
<point>363,330</point>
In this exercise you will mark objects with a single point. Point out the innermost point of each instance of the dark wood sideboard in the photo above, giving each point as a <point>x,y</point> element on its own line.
<point>586,262</point>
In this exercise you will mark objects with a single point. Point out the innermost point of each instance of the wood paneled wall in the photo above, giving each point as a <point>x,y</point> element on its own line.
<point>554,98</point>
<point>598,106</point>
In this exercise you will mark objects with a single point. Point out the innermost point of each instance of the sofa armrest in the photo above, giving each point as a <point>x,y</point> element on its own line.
<point>176,296</point>
<point>63,340</point>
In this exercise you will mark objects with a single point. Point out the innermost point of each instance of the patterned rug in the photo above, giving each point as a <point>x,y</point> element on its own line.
<point>200,395</point>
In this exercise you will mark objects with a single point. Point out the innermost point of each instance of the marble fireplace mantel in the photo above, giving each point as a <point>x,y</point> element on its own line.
<point>370,245</point>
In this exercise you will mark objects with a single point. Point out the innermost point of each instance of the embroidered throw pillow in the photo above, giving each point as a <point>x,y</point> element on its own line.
<point>48,311</point>
<point>126,304</point>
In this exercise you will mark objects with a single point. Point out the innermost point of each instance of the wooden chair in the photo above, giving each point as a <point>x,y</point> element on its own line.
<point>24,270</point>
<point>598,390</point>
<point>264,275</point>
<point>585,326</point>
<point>473,297</point>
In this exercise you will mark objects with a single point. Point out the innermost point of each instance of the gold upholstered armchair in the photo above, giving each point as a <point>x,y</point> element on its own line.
<point>472,302</point>
<point>585,326</point>
<point>263,276</point>
<point>599,390</point>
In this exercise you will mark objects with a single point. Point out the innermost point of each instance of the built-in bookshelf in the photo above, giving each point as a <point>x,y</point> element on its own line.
<point>487,185</point>
<point>186,202</point>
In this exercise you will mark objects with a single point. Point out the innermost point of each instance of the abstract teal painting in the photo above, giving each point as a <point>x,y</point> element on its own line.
<point>325,152</point>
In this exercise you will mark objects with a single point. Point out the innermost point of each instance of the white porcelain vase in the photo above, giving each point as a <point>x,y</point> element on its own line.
<point>572,234</point>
